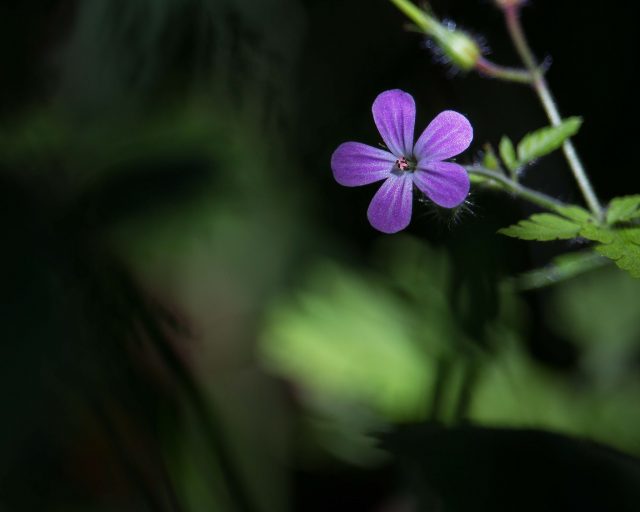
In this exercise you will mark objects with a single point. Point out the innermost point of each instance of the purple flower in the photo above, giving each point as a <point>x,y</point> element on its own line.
<point>406,163</point>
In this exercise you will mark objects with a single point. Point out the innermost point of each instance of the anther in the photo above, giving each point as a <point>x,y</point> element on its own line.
<point>402,164</point>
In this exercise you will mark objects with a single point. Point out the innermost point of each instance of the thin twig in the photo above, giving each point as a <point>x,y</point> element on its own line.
<point>539,84</point>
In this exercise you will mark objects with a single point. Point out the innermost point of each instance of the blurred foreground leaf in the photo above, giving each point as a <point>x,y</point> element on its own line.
<point>349,338</point>
<point>599,313</point>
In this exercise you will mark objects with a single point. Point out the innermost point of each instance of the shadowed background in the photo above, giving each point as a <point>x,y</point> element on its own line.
<point>195,316</point>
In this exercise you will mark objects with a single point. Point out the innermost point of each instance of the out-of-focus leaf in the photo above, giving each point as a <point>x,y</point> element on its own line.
<point>543,227</point>
<point>623,209</point>
<point>608,339</point>
<point>350,339</point>
<point>352,351</point>
<point>513,391</point>
<point>545,140</point>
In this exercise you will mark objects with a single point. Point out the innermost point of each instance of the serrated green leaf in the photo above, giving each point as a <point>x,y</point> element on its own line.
<point>624,250</point>
<point>597,233</point>
<point>543,227</point>
<point>508,153</point>
<point>545,140</point>
<point>574,212</point>
<point>623,209</point>
<point>620,245</point>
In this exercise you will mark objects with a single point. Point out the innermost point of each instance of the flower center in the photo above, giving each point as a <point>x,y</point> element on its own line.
<point>405,164</point>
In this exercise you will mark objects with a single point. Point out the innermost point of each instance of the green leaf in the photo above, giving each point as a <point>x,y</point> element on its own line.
<point>623,209</point>
<point>544,141</point>
<point>508,153</point>
<point>332,339</point>
<point>597,233</point>
<point>543,227</point>
<point>490,160</point>
<point>624,250</point>
<point>574,212</point>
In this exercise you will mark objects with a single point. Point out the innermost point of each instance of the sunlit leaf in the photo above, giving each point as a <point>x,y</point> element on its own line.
<point>545,140</point>
<point>350,339</point>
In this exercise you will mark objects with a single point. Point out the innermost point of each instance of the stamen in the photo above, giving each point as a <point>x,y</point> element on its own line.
<point>403,164</point>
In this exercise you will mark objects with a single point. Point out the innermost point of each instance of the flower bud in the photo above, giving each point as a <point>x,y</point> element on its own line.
<point>456,45</point>
<point>463,51</point>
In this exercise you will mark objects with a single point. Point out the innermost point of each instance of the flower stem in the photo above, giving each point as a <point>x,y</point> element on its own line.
<point>423,21</point>
<point>533,196</point>
<point>558,271</point>
<point>492,70</point>
<point>539,83</point>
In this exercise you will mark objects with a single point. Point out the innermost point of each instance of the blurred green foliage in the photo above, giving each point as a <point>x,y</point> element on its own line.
<point>373,344</point>
<point>164,150</point>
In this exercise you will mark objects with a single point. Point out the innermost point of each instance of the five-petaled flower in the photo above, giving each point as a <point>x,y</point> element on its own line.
<point>406,164</point>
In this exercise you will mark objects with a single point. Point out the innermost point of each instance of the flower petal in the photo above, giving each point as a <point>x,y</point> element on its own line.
<point>390,208</point>
<point>394,113</point>
<point>356,164</point>
<point>445,183</point>
<point>449,134</point>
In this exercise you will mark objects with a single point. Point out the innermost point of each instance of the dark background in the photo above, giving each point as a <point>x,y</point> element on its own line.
<point>78,389</point>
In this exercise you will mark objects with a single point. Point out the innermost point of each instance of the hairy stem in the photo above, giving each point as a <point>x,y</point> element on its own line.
<point>533,196</point>
<point>541,88</point>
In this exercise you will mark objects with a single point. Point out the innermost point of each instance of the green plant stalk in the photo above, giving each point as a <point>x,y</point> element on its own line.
<point>539,84</point>
<point>492,70</point>
<point>554,273</point>
<point>423,21</point>
<point>533,196</point>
